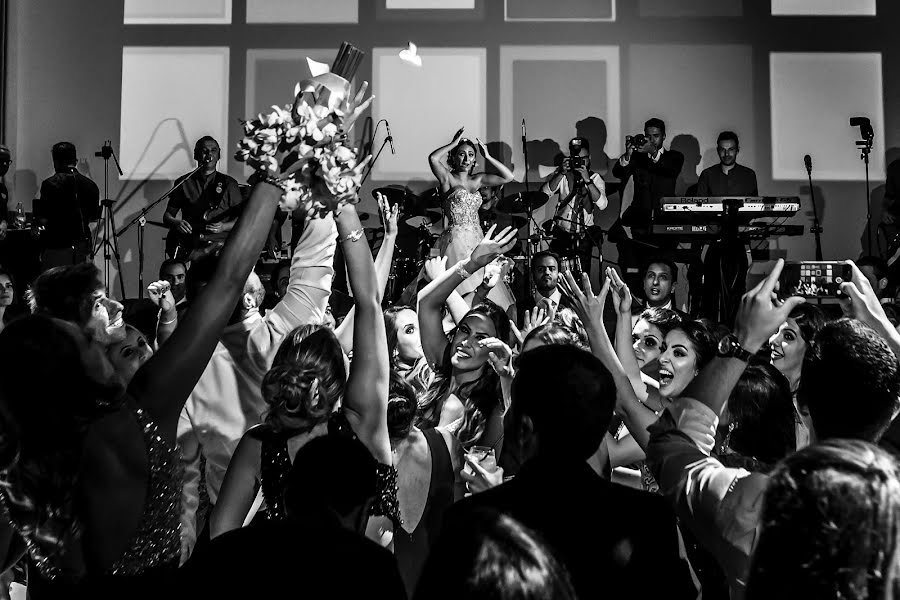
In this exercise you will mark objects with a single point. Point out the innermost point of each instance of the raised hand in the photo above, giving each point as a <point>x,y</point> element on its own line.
<point>499,356</point>
<point>492,274</point>
<point>389,214</point>
<point>493,245</point>
<point>761,313</point>
<point>533,319</point>
<point>482,147</point>
<point>458,134</point>
<point>861,303</point>
<point>588,306</point>
<point>160,293</point>
<point>621,295</point>
<point>434,267</point>
<point>353,108</point>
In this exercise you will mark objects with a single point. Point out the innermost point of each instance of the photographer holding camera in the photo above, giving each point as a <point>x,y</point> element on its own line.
<point>580,190</point>
<point>655,171</point>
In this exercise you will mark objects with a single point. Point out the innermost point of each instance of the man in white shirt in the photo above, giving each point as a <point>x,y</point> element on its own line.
<point>227,400</point>
<point>579,190</point>
<point>545,293</point>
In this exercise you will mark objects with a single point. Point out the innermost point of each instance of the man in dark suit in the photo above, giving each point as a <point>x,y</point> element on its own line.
<point>546,293</point>
<point>320,550</point>
<point>655,171</point>
<point>616,542</point>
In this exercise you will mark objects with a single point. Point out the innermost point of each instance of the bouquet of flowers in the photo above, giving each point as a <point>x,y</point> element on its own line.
<point>318,171</point>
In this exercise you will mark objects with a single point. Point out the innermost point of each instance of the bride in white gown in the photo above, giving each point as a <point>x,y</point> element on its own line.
<point>459,186</point>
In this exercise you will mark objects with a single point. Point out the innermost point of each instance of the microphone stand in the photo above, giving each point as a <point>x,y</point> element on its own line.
<point>816,228</point>
<point>377,154</point>
<point>865,147</point>
<point>141,220</point>
<point>529,214</point>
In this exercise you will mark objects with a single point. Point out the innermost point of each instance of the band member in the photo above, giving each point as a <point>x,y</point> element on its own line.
<point>68,203</point>
<point>726,262</point>
<point>209,203</point>
<point>579,190</point>
<point>727,178</point>
<point>655,171</point>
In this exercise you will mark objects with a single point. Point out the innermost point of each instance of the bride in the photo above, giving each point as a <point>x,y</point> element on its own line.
<point>459,186</point>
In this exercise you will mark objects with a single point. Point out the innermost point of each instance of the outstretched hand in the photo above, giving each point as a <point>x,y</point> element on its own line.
<point>761,313</point>
<point>160,293</point>
<point>435,267</point>
<point>493,245</point>
<point>621,295</point>
<point>355,107</point>
<point>482,147</point>
<point>860,302</point>
<point>389,214</point>
<point>458,134</point>
<point>533,319</point>
<point>588,306</point>
<point>499,356</point>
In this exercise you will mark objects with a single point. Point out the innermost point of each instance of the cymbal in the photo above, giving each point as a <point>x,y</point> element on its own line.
<point>522,202</point>
<point>431,198</point>
<point>430,218</point>
<point>394,194</point>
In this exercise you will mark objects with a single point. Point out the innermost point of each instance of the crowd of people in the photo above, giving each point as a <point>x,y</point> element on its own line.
<point>225,439</point>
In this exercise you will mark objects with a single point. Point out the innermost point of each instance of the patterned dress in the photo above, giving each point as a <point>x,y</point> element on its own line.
<point>462,235</point>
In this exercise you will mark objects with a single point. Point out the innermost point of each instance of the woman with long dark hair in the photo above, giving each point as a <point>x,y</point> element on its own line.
<point>404,343</point>
<point>306,382</point>
<point>9,303</point>
<point>466,395</point>
<point>90,473</point>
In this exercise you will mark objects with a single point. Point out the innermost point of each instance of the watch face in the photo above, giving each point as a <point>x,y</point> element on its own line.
<point>726,344</point>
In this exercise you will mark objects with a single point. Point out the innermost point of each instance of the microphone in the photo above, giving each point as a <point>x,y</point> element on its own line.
<point>390,138</point>
<point>523,132</point>
<point>807,160</point>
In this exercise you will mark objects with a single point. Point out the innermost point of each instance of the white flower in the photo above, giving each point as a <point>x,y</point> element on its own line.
<point>344,154</point>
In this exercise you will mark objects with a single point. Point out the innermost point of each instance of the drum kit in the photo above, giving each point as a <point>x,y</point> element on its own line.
<point>421,220</point>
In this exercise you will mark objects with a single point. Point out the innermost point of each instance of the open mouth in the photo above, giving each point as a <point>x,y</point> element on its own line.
<point>462,353</point>
<point>665,377</point>
<point>116,323</point>
<point>654,291</point>
<point>777,355</point>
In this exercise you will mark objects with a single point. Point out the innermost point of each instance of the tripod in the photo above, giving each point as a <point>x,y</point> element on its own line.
<point>107,238</point>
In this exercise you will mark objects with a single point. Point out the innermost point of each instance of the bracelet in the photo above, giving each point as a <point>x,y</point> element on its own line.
<point>461,271</point>
<point>354,236</point>
<point>169,322</point>
<point>271,180</point>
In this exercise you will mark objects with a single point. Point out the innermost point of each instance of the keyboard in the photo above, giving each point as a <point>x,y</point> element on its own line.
<point>745,206</point>
<point>752,231</point>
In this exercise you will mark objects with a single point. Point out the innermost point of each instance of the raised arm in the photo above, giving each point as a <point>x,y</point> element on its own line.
<point>759,317</point>
<point>160,294</point>
<point>344,331</point>
<point>436,159</point>
<point>504,174</point>
<point>590,309</point>
<point>163,383</point>
<point>365,401</point>
<point>433,296</point>
<point>622,301</point>
<point>456,304</point>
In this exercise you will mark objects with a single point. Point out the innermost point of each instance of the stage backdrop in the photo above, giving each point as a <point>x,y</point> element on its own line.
<point>153,76</point>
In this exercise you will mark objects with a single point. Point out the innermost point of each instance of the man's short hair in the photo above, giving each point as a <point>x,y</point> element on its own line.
<point>659,260</point>
<point>199,145</point>
<point>331,470</point>
<point>850,382</point>
<point>169,262</point>
<point>65,292</point>
<point>726,136</point>
<point>656,122</point>
<point>544,254</point>
<point>569,396</point>
<point>64,153</point>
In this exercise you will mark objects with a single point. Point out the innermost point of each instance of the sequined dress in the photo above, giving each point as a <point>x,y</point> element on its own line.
<point>462,235</point>
<point>150,563</point>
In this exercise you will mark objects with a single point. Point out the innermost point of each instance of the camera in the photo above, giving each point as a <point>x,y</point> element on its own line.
<point>637,141</point>
<point>574,163</point>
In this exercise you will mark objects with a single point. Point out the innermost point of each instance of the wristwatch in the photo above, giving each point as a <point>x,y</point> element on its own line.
<point>729,347</point>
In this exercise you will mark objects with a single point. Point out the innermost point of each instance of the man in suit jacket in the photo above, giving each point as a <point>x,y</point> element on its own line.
<point>655,171</point>
<point>546,293</point>
<point>616,542</point>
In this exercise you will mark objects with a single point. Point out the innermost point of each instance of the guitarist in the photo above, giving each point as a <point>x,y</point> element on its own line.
<point>209,203</point>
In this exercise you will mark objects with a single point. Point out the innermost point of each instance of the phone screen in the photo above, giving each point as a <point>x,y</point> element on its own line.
<point>814,279</point>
